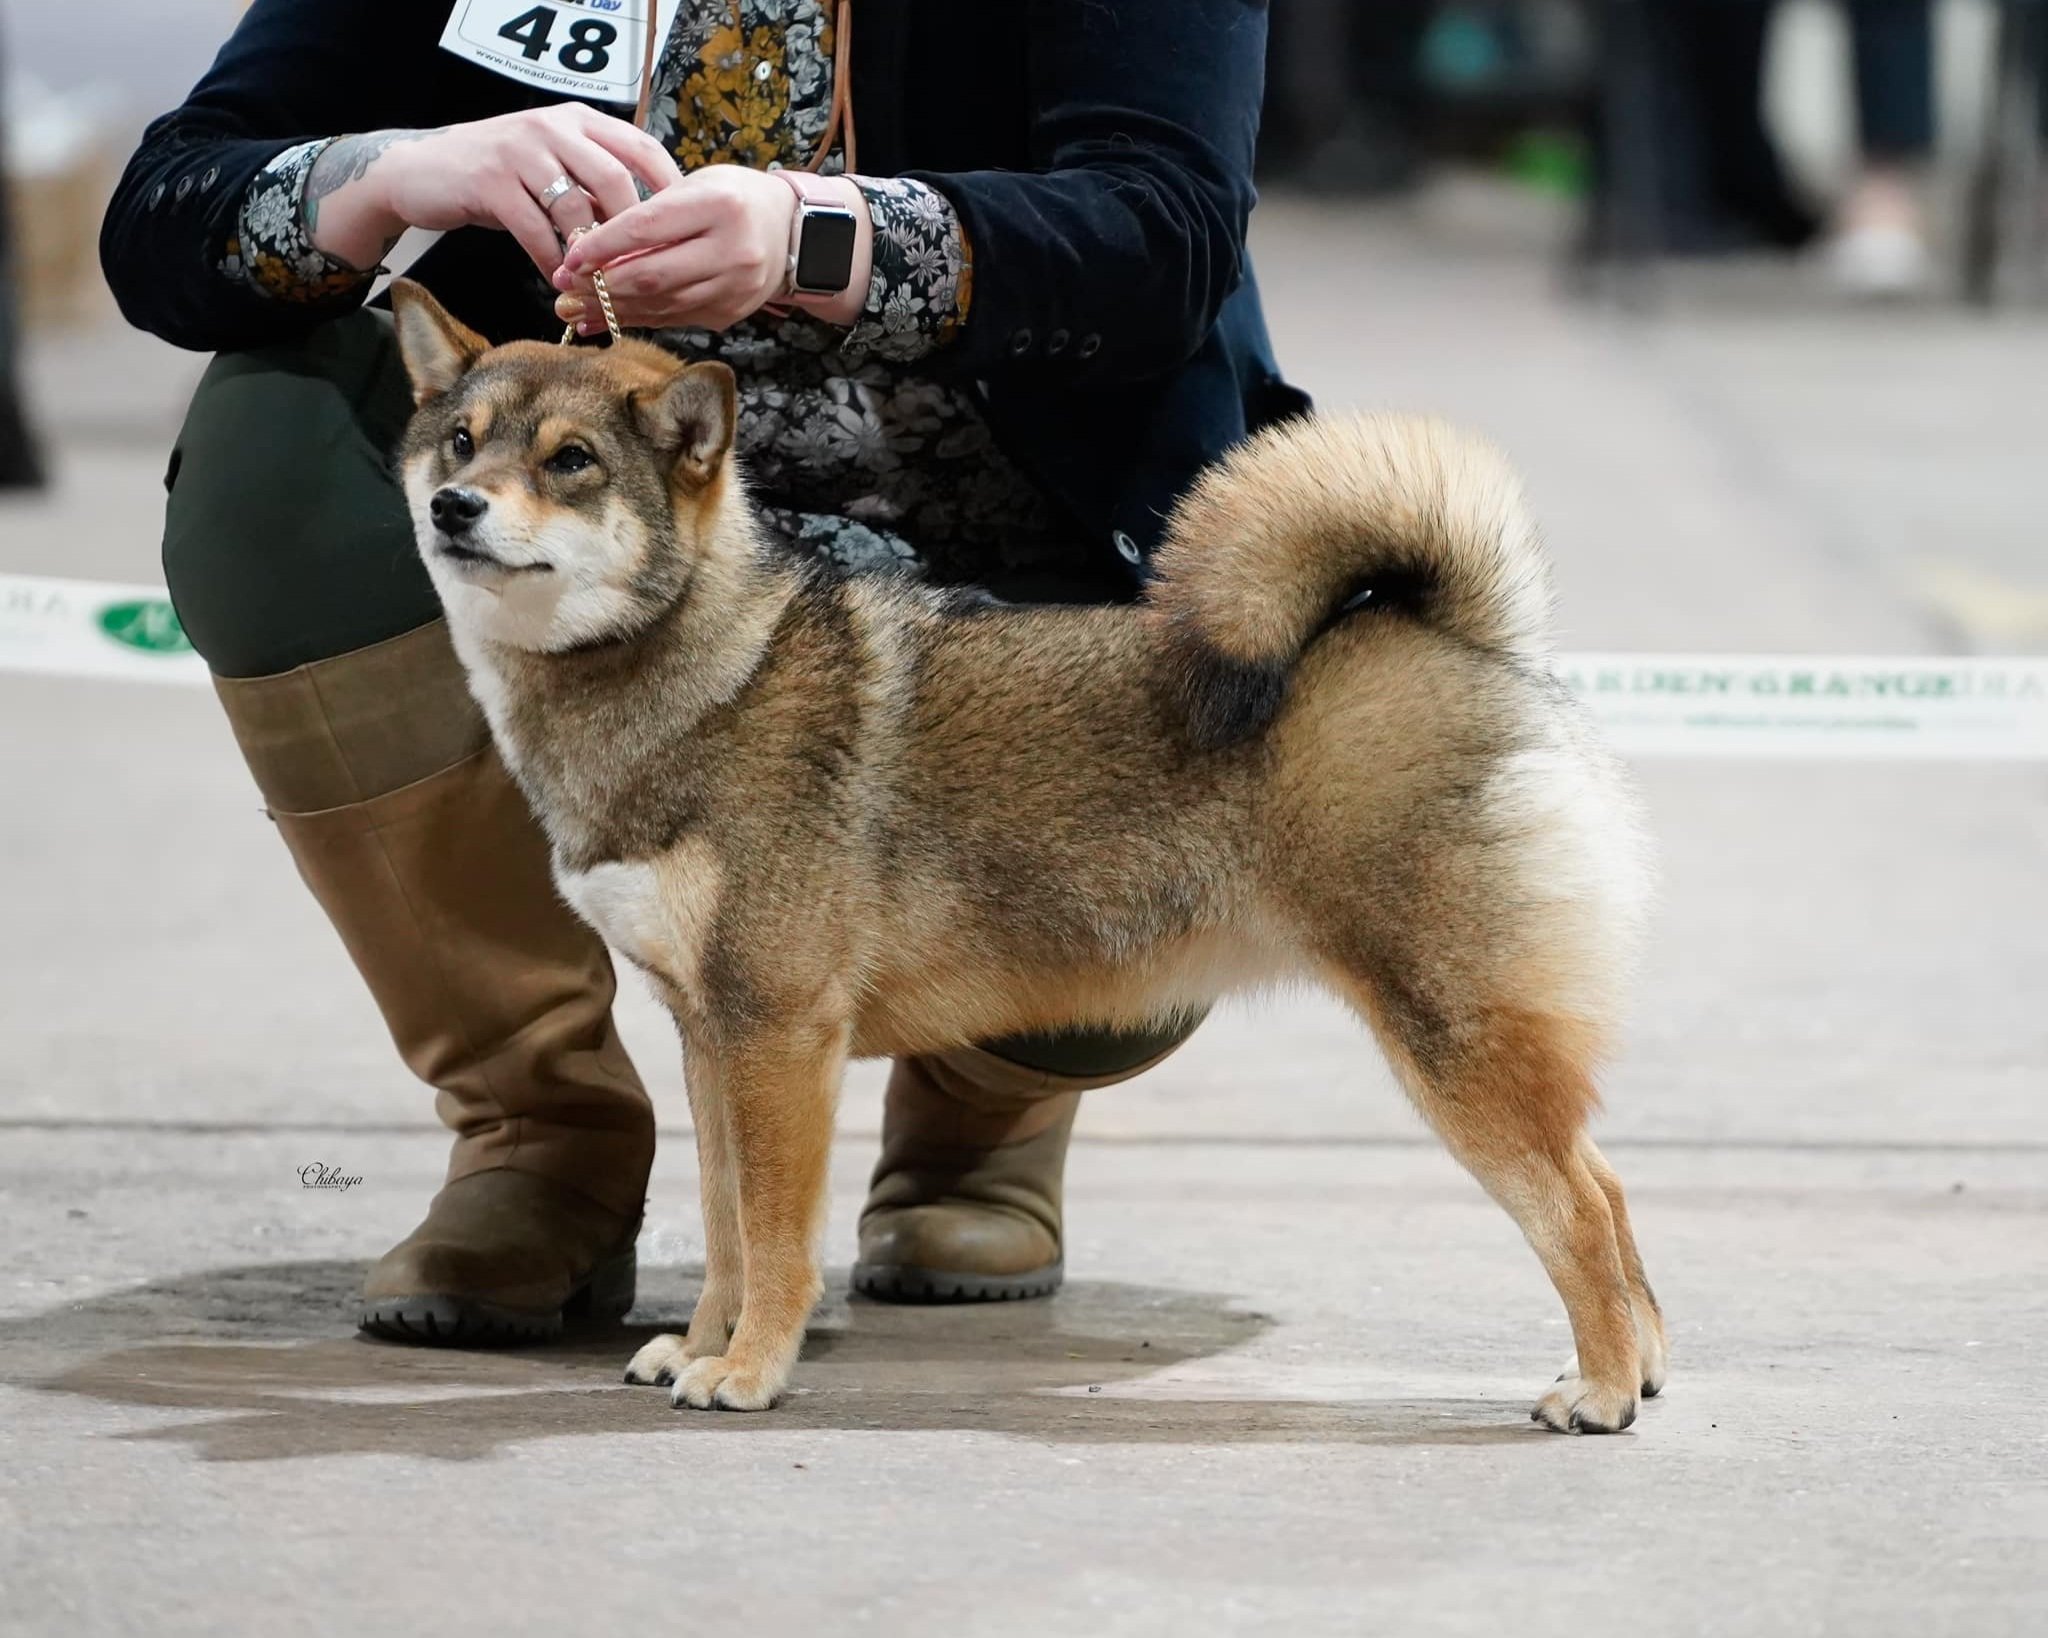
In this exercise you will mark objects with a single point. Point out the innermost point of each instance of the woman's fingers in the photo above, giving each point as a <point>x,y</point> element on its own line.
<point>582,289</point>
<point>692,283</point>
<point>657,289</point>
<point>702,306</point>
<point>512,201</point>
<point>655,274</point>
<point>570,210</point>
<point>663,220</point>
<point>711,304</point>
<point>601,175</point>
<point>707,250</point>
<point>598,154</point>
<point>599,186</point>
<point>632,147</point>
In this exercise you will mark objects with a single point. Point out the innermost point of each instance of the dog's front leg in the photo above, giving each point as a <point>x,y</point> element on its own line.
<point>777,1091</point>
<point>717,1313</point>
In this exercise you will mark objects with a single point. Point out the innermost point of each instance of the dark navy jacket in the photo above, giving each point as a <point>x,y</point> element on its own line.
<point>1098,152</point>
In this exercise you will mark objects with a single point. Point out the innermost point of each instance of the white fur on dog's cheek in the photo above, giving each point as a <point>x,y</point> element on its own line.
<point>595,565</point>
<point>567,605</point>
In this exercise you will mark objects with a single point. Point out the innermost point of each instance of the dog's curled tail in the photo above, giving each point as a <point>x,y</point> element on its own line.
<point>1323,519</point>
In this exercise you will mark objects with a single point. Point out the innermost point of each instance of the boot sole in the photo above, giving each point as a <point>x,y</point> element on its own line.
<point>448,1320</point>
<point>894,1282</point>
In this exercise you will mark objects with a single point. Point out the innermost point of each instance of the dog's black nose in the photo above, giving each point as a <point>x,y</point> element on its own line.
<point>456,510</point>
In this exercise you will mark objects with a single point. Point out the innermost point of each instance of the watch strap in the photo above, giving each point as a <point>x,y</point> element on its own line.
<point>810,188</point>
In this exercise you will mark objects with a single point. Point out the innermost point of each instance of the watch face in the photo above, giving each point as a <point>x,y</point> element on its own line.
<point>824,258</point>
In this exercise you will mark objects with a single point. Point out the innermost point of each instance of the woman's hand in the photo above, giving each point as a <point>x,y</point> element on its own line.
<point>365,190</point>
<point>707,252</point>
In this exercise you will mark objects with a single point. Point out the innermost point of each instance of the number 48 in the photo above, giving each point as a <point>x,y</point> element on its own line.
<point>590,39</point>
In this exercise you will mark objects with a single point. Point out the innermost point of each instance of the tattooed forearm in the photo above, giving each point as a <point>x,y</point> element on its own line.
<point>348,159</point>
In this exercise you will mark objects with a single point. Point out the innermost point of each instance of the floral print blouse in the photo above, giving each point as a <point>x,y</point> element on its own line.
<point>855,455</point>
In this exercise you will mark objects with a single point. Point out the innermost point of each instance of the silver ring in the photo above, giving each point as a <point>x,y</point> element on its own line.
<point>558,189</point>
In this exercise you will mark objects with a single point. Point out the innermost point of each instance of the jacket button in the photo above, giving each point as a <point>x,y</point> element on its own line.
<point>1056,343</point>
<point>1020,343</point>
<point>1090,346</point>
<point>1126,548</point>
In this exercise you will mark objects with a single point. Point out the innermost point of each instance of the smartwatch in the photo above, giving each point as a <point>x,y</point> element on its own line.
<point>821,238</point>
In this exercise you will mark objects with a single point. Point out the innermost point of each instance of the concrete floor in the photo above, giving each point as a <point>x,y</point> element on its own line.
<point>1286,1388</point>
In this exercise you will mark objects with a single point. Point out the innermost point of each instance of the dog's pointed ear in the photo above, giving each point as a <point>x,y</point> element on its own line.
<point>437,349</point>
<point>691,418</point>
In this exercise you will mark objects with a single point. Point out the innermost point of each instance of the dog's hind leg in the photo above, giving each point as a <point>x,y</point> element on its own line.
<point>1651,1340</point>
<point>1509,1091</point>
<point>777,1093</point>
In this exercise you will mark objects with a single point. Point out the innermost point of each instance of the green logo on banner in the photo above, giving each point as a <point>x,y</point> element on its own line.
<point>150,625</point>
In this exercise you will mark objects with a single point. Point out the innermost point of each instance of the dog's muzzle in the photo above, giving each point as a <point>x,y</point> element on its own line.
<point>457,511</point>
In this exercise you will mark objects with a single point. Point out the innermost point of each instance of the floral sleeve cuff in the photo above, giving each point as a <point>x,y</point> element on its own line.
<point>272,250</point>
<point>923,279</point>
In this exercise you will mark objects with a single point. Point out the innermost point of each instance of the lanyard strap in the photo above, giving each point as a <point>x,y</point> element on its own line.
<point>647,54</point>
<point>840,125</point>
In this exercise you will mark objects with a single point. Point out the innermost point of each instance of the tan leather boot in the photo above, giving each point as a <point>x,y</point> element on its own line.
<point>379,771</point>
<point>504,1256</point>
<point>965,1205</point>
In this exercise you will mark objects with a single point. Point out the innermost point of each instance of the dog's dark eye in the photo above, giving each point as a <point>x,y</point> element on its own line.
<point>571,458</point>
<point>462,445</point>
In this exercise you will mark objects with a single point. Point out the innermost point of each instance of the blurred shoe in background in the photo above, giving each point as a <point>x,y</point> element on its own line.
<point>1878,243</point>
<point>1879,246</point>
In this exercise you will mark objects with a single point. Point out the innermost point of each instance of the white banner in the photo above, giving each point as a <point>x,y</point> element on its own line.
<point>87,628</point>
<point>1803,707</point>
<point>1887,707</point>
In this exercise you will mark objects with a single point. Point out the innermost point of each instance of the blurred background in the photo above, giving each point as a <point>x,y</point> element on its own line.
<point>1751,293</point>
<point>1822,220</point>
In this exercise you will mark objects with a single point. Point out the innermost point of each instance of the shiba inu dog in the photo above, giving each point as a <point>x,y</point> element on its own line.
<point>833,817</point>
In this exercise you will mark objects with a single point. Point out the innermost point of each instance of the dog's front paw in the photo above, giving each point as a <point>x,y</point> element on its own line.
<point>1578,1406</point>
<point>721,1383</point>
<point>657,1362</point>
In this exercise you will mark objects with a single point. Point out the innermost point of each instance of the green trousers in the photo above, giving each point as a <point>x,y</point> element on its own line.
<point>287,541</point>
